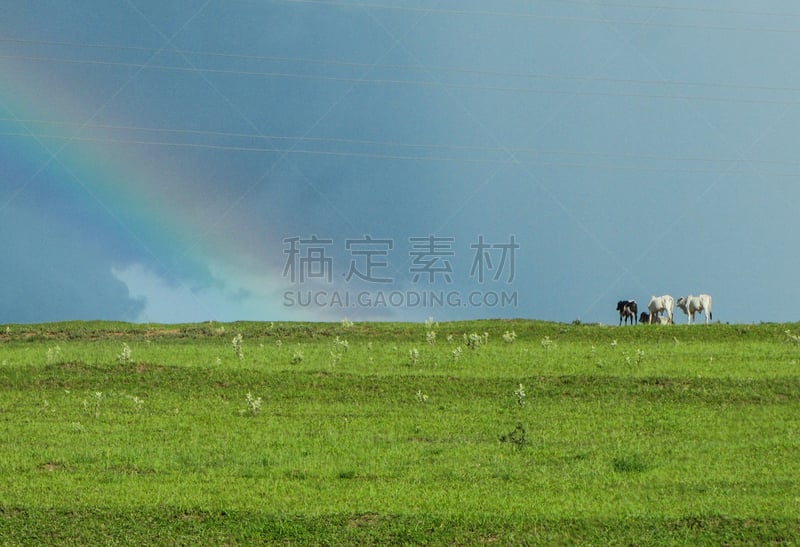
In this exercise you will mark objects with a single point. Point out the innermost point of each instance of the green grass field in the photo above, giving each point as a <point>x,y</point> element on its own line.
<point>490,432</point>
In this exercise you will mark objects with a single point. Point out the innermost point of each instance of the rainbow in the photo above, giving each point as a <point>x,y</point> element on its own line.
<point>137,194</point>
<point>123,186</point>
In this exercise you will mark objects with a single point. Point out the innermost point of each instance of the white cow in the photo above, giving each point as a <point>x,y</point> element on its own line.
<point>660,304</point>
<point>694,304</point>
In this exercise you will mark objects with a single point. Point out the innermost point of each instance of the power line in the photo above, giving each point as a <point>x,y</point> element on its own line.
<point>232,148</point>
<point>548,17</point>
<point>362,65</point>
<point>411,82</point>
<point>361,142</point>
<point>691,9</point>
<point>423,158</point>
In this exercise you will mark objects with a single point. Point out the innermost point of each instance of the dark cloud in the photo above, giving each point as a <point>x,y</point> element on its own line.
<point>51,275</point>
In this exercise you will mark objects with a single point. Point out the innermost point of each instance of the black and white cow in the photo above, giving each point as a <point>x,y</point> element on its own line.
<point>694,304</point>
<point>627,310</point>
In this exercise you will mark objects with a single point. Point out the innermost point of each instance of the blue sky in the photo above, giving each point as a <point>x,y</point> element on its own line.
<point>174,161</point>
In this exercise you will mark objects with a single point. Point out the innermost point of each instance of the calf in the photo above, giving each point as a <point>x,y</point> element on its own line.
<point>644,318</point>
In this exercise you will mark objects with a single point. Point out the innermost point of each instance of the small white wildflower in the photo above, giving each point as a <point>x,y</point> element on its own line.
<point>93,407</point>
<point>473,341</point>
<point>53,355</point>
<point>343,345</point>
<point>253,404</point>
<point>125,355</point>
<point>137,403</point>
<point>237,346</point>
<point>520,395</point>
<point>509,337</point>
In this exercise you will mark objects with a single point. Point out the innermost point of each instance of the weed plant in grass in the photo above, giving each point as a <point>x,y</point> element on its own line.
<point>558,434</point>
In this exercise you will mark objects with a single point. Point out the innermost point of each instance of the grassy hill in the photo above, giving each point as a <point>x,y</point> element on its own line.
<point>477,432</point>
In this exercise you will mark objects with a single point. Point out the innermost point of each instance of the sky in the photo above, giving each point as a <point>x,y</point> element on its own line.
<point>323,160</point>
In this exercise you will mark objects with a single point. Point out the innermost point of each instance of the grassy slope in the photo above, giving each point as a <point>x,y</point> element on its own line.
<point>640,434</point>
